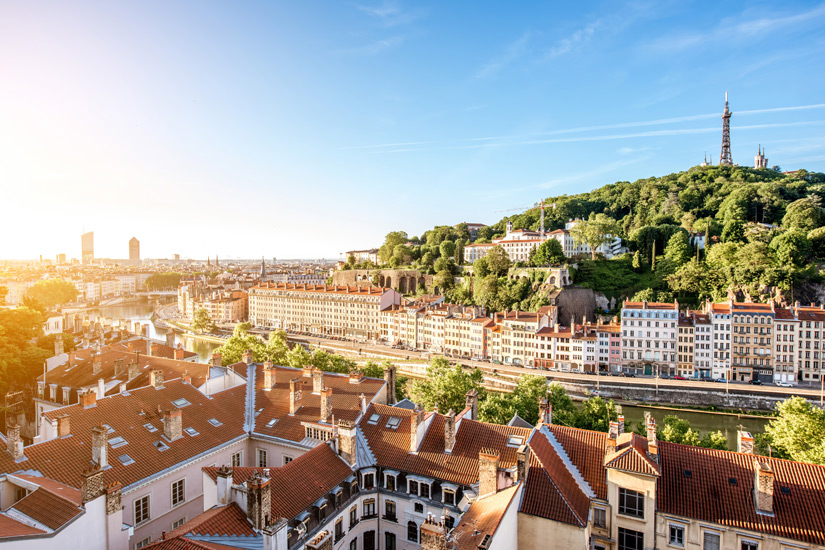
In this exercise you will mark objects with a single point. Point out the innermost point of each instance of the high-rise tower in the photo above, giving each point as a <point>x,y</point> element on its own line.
<point>134,249</point>
<point>87,247</point>
<point>263,268</point>
<point>725,158</point>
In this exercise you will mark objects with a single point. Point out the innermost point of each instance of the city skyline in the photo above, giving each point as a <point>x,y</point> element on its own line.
<point>173,117</point>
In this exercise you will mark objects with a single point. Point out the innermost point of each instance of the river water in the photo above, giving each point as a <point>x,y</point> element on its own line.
<point>142,312</point>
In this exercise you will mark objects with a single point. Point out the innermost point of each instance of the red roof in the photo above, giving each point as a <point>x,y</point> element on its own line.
<point>47,508</point>
<point>12,528</point>
<point>482,518</point>
<point>586,451</point>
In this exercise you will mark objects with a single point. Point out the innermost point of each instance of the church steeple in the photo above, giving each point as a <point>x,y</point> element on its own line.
<point>725,159</point>
<point>760,161</point>
<point>263,268</point>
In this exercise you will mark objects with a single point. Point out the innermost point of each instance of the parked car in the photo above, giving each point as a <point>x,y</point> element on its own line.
<point>629,374</point>
<point>784,384</point>
<point>756,382</point>
<point>679,377</point>
<point>722,380</point>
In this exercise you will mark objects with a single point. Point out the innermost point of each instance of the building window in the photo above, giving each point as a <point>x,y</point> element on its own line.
<point>710,541</point>
<point>599,517</point>
<point>176,524</point>
<point>389,510</point>
<point>178,492</point>
<point>389,541</point>
<point>677,535</point>
<point>449,521</point>
<point>631,540</point>
<point>369,508</point>
<point>390,482</point>
<point>142,544</point>
<point>369,481</point>
<point>339,530</point>
<point>750,545</point>
<point>449,497</point>
<point>142,510</point>
<point>412,532</point>
<point>418,507</point>
<point>237,459</point>
<point>353,544</point>
<point>631,503</point>
<point>353,516</point>
<point>424,490</point>
<point>369,540</point>
<point>287,460</point>
<point>261,458</point>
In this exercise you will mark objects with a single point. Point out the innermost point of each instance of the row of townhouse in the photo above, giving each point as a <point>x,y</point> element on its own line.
<point>293,459</point>
<point>225,302</point>
<point>114,285</point>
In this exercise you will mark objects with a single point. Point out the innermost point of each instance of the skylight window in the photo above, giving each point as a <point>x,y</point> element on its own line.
<point>191,431</point>
<point>215,422</point>
<point>180,402</point>
<point>160,446</point>
<point>393,422</point>
<point>126,460</point>
<point>515,441</point>
<point>271,422</point>
<point>151,427</point>
<point>732,481</point>
<point>116,442</point>
<point>109,429</point>
<point>374,419</point>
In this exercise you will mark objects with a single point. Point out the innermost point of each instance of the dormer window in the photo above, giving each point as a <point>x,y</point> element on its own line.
<point>369,481</point>
<point>448,497</point>
<point>390,480</point>
<point>412,486</point>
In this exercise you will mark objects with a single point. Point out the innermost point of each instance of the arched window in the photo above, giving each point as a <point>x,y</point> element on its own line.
<point>412,531</point>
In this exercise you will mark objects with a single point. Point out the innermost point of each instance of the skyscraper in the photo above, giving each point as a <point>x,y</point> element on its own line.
<point>134,249</point>
<point>87,247</point>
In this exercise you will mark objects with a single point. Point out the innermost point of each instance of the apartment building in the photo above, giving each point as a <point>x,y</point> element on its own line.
<point>786,334</point>
<point>685,346</point>
<point>720,316</point>
<point>649,336</point>
<point>702,344</point>
<point>810,342</point>
<point>751,343</point>
<point>350,311</point>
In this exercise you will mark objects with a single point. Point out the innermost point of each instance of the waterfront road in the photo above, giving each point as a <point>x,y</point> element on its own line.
<point>380,352</point>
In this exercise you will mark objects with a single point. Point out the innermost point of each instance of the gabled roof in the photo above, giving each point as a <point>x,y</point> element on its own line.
<point>586,451</point>
<point>47,508</point>
<point>10,527</point>
<point>519,422</point>
<point>632,455</point>
<point>227,520</point>
<point>708,494</point>
<point>65,458</point>
<point>483,517</point>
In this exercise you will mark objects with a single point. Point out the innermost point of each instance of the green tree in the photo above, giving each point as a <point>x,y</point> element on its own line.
<point>53,292</point>
<point>447,249</point>
<point>637,261</point>
<point>241,340</point>
<point>564,411</point>
<point>481,268</point>
<point>277,347</point>
<point>392,240</point>
<point>550,252</point>
<point>298,357</point>
<point>596,230</point>
<point>804,214</point>
<point>679,430</point>
<point>816,237</point>
<point>21,360</point>
<point>596,414</point>
<point>524,400</point>
<point>163,281</point>
<point>678,250</point>
<point>791,248</point>
<point>446,386</point>
<point>498,261</point>
<point>798,430</point>
<point>202,322</point>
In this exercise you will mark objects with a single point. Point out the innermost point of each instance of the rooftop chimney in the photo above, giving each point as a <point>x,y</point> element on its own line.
<point>317,381</point>
<point>356,377</point>
<point>545,412</point>
<point>92,485</point>
<point>119,366</point>
<point>471,402</point>
<point>224,486</point>
<point>744,442</point>
<point>88,399</point>
<point>306,371</point>
<point>294,395</point>
<point>258,501</point>
<point>217,359</point>
<point>487,471</point>
<point>652,442</point>
<point>389,378</point>
<point>364,403</point>
<point>621,424</point>
<point>63,426</point>
<point>134,370</point>
<point>173,424</point>
<point>248,357</point>
<point>763,487</point>
<point>522,463</point>
<point>416,420</point>
<point>170,338</point>
<point>180,353</point>
<point>100,448</point>
<point>156,378</point>
<point>433,535</point>
<point>449,431</point>
<point>326,404</point>
<point>97,364</point>
<point>346,441</point>
<point>58,344</point>
<point>14,445</point>
<point>269,376</point>
<point>154,349</point>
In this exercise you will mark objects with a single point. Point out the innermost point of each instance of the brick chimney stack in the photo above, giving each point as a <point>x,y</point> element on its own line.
<point>14,445</point>
<point>224,486</point>
<point>92,485</point>
<point>134,370</point>
<point>63,425</point>
<point>317,381</point>
<point>180,353</point>
<point>326,404</point>
<point>449,431</point>
<point>471,402</point>
<point>545,411</point>
<point>522,463</point>
<point>487,472</point>
<point>389,378</point>
<point>100,447</point>
<point>346,441</point>
<point>156,378</point>
<point>97,364</point>
<point>88,399</point>
<point>258,501</point>
<point>433,535</point>
<point>621,424</point>
<point>652,441</point>
<point>173,424</point>
<point>248,357</point>
<point>416,420</point>
<point>294,395</point>
<point>217,359</point>
<point>763,487</point>
<point>114,498</point>
<point>269,376</point>
<point>744,442</point>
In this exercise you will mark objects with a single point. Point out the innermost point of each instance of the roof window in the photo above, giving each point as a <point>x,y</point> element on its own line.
<point>732,481</point>
<point>374,419</point>
<point>393,422</point>
<point>160,446</point>
<point>109,429</point>
<point>126,460</point>
<point>515,441</point>
<point>116,442</point>
<point>271,422</point>
<point>688,473</point>
<point>785,490</point>
<point>191,431</point>
<point>215,422</point>
<point>151,427</point>
<point>180,402</point>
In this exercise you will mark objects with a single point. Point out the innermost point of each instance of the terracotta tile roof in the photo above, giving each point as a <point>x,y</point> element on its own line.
<point>64,459</point>
<point>64,491</point>
<point>631,455</point>
<point>810,313</point>
<point>552,492</point>
<point>751,307</point>
<point>274,404</point>
<point>301,482</point>
<point>650,305</point>
<point>784,314</point>
<point>325,289</point>
<point>708,495</point>
<point>224,520</point>
<point>391,447</point>
<point>483,518</point>
<point>184,543</point>
<point>47,508</point>
<point>586,451</point>
<point>12,528</point>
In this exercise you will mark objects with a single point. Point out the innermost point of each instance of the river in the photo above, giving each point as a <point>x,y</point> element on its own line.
<point>142,312</point>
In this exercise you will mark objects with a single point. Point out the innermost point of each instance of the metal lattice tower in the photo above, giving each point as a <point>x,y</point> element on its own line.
<point>725,158</point>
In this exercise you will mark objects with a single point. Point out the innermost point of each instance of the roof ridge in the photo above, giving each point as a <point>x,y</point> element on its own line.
<point>557,489</point>
<point>568,463</point>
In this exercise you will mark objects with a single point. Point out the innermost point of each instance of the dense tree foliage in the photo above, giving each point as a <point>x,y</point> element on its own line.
<point>53,292</point>
<point>798,431</point>
<point>202,322</point>
<point>21,358</point>
<point>164,281</point>
<point>446,386</point>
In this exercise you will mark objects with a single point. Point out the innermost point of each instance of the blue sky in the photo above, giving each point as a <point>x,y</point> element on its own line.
<point>304,129</point>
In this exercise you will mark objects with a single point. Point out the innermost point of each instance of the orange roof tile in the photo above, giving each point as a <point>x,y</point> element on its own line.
<point>12,528</point>
<point>586,451</point>
<point>483,518</point>
<point>47,508</point>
